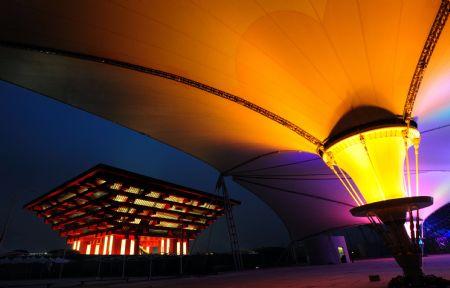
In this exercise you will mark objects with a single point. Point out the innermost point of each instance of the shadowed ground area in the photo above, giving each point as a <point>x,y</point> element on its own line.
<point>352,275</point>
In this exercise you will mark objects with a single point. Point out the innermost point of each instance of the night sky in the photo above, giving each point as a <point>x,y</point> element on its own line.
<point>43,143</point>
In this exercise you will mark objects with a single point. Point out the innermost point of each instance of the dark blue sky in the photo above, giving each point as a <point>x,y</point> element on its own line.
<point>43,143</point>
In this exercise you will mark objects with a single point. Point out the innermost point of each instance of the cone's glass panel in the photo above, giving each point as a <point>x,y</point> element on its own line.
<point>375,161</point>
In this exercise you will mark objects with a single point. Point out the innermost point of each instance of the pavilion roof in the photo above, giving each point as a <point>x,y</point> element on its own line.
<point>105,199</point>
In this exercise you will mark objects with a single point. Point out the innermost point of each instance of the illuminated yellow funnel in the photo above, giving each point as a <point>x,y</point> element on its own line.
<point>374,159</point>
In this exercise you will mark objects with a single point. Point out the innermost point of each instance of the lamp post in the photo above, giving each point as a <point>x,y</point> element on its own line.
<point>392,214</point>
<point>370,163</point>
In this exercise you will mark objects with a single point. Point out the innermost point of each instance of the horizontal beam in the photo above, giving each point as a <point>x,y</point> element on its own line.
<point>173,77</point>
<point>132,229</point>
<point>112,216</point>
<point>163,201</point>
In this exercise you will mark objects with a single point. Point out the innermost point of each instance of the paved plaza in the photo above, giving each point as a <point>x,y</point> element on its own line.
<point>351,275</point>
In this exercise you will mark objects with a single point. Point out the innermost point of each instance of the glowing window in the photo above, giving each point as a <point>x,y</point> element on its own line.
<point>97,249</point>
<point>123,245</point>
<point>82,189</point>
<point>132,190</point>
<point>168,224</point>
<point>167,246</point>
<point>184,247</point>
<point>120,198</point>
<point>166,215</point>
<point>76,214</point>
<point>160,205</point>
<point>105,245</point>
<point>192,203</point>
<point>131,247</point>
<point>197,212</point>
<point>111,239</point>
<point>178,209</point>
<point>144,202</point>
<point>201,221</point>
<point>98,194</point>
<point>162,246</point>
<point>175,199</point>
<point>136,221</point>
<point>191,227</point>
<point>65,197</point>
<point>80,201</point>
<point>209,206</point>
<point>116,186</point>
<point>178,248</point>
<point>340,251</point>
<point>153,194</point>
<point>122,209</point>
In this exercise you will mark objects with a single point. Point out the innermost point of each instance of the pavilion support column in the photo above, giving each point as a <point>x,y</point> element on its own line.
<point>136,244</point>
<point>405,250</point>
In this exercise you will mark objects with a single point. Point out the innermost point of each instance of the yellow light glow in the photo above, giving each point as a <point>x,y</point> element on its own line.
<point>153,194</point>
<point>167,245</point>
<point>375,161</point>
<point>97,249</point>
<point>168,224</point>
<point>184,247</point>
<point>123,245</point>
<point>175,199</point>
<point>121,198</point>
<point>162,246</point>
<point>167,215</point>
<point>105,245</point>
<point>111,240</point>
<point>116,186</point>
<point>132,247</point>
<point>132,190</point>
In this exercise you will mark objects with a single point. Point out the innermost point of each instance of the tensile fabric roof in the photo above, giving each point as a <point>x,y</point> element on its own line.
<point>246,85</point>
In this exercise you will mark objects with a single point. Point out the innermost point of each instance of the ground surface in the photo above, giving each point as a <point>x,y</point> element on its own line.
<point>352,275</point>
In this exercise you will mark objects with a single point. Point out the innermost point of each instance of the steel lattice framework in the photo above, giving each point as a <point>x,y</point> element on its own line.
<point>174,77</point>
<point>427,51</point>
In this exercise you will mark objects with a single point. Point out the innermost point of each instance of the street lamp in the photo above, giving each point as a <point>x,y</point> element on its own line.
<point>370,163</point>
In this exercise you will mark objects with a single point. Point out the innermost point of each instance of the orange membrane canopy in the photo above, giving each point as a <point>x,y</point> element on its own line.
<point>375,161</point>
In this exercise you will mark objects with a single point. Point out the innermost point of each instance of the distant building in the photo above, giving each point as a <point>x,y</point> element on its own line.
<point>110,211</point>
<point>325,249</point>
<point>437,231</point>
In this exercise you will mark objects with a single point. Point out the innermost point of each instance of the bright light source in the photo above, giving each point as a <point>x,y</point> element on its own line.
<point>184,248</point>
<point>111,239</point>
<point>167,246</point>
<point>162,246</point>
<point>375,162</point>
<point>132,247</point>
<point>178,248</point>
<point>105,245</point>
<point>123,245</point>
